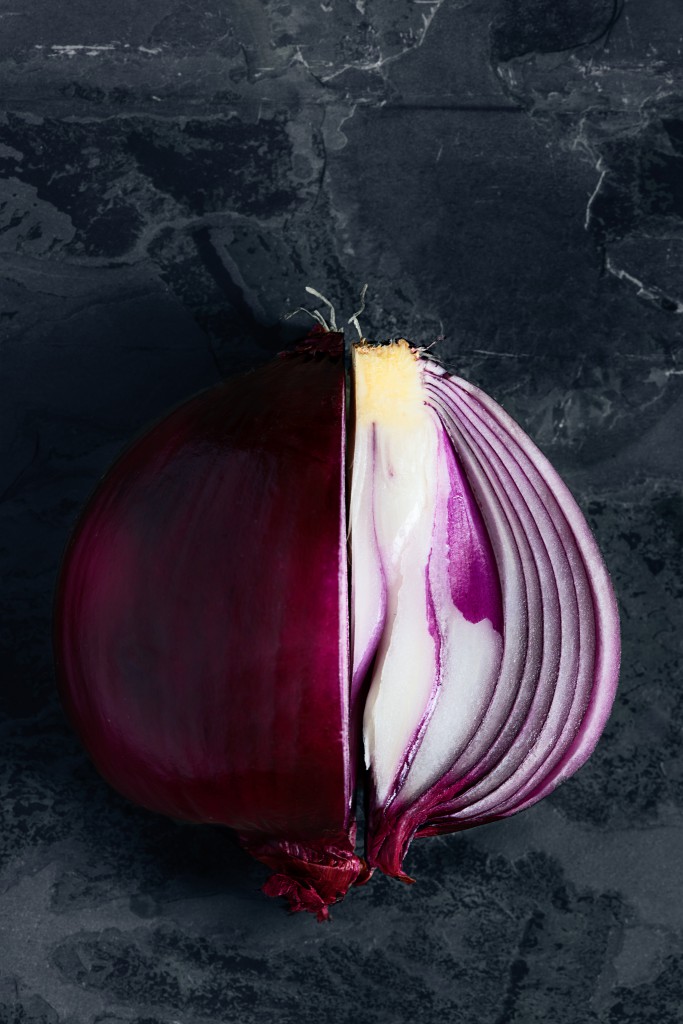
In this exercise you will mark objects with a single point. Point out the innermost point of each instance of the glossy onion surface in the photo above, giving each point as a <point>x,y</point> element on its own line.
<point>201,625</point>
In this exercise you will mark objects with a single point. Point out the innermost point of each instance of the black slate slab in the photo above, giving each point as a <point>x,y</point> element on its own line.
<point>506,175</point>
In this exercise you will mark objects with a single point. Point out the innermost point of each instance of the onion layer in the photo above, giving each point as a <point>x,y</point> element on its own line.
<point>514,702</point>
<point>220,666</point>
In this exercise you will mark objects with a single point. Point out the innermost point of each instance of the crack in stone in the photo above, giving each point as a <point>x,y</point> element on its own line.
<point>602,170</point>
<point>651,293</point>
<point>379,64</point>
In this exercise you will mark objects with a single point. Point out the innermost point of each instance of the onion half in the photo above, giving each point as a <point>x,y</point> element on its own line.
<point>499,733</point>
<point>220,663</point>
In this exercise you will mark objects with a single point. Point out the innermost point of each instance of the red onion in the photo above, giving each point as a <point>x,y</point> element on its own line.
<point>219,665</point>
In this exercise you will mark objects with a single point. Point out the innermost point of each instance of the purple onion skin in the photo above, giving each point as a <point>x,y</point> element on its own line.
<point>201,621</point>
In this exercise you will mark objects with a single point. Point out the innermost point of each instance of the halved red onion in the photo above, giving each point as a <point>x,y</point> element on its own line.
<point>204,610</point>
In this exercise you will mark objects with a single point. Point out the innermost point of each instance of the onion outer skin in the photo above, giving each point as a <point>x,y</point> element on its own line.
<point>201,626</point>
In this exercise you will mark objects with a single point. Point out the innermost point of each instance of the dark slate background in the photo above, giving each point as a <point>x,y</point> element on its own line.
<point>507,176</point>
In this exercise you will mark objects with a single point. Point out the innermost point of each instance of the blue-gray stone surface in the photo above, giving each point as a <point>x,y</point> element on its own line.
<point>507,176</point>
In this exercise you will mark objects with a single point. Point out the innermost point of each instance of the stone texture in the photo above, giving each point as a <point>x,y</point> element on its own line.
<point>506,176</point>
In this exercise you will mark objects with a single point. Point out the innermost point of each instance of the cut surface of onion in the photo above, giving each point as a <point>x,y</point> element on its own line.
<point>519,693</point>
<point>234,644</point>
